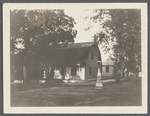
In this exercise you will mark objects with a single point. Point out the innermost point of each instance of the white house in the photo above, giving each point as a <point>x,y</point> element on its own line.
<point>75,61</point>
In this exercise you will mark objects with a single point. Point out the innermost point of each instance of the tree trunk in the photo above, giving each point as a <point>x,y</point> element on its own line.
<point>24,73</point>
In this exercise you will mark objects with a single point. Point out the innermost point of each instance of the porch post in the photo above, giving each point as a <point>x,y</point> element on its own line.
<point>79,72</point>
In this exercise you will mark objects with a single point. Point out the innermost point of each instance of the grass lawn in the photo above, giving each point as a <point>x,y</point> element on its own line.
<point>127,93</point>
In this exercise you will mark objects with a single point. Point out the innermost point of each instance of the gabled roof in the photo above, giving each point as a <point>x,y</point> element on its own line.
<point>70,55</point>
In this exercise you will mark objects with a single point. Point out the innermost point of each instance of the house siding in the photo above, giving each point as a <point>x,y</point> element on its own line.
<point>110,73</point>
<point>92,62</point>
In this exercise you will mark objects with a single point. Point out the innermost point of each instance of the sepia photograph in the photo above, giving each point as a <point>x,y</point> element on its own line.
<point>75,57</point>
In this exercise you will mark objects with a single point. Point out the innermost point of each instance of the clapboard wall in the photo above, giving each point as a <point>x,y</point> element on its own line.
<point>91,63</point>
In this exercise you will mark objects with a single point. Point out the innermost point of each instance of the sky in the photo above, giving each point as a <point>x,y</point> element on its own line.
<point>82,23</point>
<point>82,19</point>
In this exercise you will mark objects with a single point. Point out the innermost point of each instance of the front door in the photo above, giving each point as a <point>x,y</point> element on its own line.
<point>73,71</point>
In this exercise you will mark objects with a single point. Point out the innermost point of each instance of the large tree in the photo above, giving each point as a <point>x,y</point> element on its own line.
<point>32,32</point>
<point>122,27</point>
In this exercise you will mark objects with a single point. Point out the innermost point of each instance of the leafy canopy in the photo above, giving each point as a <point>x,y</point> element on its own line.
<point>40,27</point>
<point>122,30</point>
<point>33,32</point>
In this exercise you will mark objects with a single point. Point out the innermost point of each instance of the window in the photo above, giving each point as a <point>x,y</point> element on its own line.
<point>90,70</point>
<point>92,55</point>
<point>62,70</point>
<point>107,69</point>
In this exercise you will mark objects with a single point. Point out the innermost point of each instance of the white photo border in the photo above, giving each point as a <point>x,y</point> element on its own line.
<point>75,110</point>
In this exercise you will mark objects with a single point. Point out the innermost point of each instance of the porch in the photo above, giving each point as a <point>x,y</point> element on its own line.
<point>75,72</point>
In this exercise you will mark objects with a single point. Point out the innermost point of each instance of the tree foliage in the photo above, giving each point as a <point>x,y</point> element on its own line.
<point>33,32</point>
<point>41,27</point>
<point>122,26</point>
